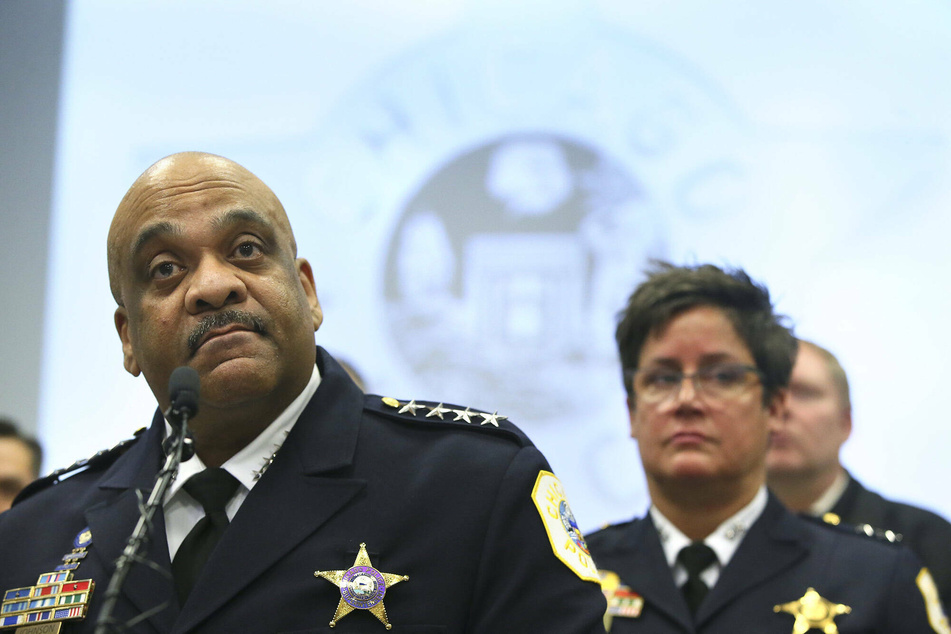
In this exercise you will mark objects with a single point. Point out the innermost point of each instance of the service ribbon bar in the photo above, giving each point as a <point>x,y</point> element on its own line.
<point>55,597</point>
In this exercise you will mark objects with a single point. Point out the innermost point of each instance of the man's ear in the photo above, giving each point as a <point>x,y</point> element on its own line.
<point>306,275</point>
<point>128,356</point>
<point>846,423</point>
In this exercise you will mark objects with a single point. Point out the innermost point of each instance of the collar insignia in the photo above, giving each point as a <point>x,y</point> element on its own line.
<point>812,611</point>
<point>468,415</point>
<point>362,587</point>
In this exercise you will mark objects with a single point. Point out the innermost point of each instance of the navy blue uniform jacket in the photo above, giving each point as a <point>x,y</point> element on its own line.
<point>447,504</point>
<point>779,559</point>
<point>926,533</point>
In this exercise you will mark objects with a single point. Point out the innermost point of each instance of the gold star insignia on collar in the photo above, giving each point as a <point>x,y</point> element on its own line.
<point>812,611</point>
<point>410,407</point>
<point>464,414</point>
<point>362,587</point>
<point>439,410</point>
<point>492,419</point>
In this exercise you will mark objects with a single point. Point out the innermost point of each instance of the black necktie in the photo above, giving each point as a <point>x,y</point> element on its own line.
<point>212,488</point>
<point>696,558</point>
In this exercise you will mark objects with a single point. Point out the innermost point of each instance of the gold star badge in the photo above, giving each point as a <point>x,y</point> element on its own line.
<point>812,611</point>
<point>362,587</point>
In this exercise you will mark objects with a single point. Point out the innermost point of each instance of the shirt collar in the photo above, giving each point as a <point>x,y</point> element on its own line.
<point>256,455</point>
<point>724,540</point>
<point>831,497</point>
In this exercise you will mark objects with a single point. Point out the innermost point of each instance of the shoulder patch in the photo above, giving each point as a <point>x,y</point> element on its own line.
<point>566,539</point>
<point>99,460</point>
<point>444,414</point>
<point>936,616</point>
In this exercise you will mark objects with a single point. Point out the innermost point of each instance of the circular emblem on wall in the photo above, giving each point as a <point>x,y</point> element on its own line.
<point>493,269</point>
<point>493,197</point>
<point>504,189</point>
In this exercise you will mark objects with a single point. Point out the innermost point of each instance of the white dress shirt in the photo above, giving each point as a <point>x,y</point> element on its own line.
<point>724,540</point>
<point>182,512</point>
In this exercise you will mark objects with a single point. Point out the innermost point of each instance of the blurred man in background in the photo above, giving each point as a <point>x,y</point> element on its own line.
<point>805,471</point>
<point>20,460</point>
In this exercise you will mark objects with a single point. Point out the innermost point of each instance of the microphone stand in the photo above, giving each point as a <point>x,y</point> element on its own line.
<point>181,444</point>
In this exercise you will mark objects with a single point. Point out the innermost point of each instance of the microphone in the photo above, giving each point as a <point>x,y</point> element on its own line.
<point>183,388</point>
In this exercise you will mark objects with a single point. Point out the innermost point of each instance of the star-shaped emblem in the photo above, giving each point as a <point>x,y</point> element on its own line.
<point>492,419</point>
<point>464,414</point>
<point>812,611</point>
<point>362,587</point>
<point>439,410</point>
<point>410,407</point>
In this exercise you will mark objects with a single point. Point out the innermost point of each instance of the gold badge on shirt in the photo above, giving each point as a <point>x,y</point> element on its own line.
<point>812,611</point>
<point>362,587</point>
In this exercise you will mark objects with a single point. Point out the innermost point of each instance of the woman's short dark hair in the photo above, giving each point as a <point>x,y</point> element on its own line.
<point>671,290</point>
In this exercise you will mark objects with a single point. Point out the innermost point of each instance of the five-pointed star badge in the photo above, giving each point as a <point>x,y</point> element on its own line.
<point>439,410</point>
<point>492,419</point>
<point>812,611</point>
<point>362,587</point>
<point>410,407</point>
<point>464,414</point>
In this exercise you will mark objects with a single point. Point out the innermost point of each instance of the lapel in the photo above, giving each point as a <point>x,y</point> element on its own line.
<point>774,543</point>
<point>300,491</point>
<point>113,520</point>
<point>643,567</point>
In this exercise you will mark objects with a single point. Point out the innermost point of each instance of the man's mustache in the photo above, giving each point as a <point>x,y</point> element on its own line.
<point>222,319</point>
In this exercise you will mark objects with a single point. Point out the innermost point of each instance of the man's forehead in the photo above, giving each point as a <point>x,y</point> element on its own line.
<point>193,185</point>
<point>179,186</point>
<point>809,363</point>
<point>204,180</point>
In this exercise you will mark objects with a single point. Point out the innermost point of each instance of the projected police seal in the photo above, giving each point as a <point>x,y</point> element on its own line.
<point>567,542</point>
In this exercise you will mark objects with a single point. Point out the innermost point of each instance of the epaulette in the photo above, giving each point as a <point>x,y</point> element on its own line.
<point>99,460</point>
<point>444,415</point>
<point>833,520</point>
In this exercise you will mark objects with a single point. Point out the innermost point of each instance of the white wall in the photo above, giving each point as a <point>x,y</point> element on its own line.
<point>478,184</point>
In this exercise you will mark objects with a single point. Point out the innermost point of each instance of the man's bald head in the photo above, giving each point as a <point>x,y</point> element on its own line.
<point>175,176</point>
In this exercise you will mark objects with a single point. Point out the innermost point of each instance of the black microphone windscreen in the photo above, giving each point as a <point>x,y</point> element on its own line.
<point>183,388</point>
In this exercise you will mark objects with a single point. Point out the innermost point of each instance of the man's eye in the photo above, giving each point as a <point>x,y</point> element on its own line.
<point>247,250</point>
<point>164,270</point>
